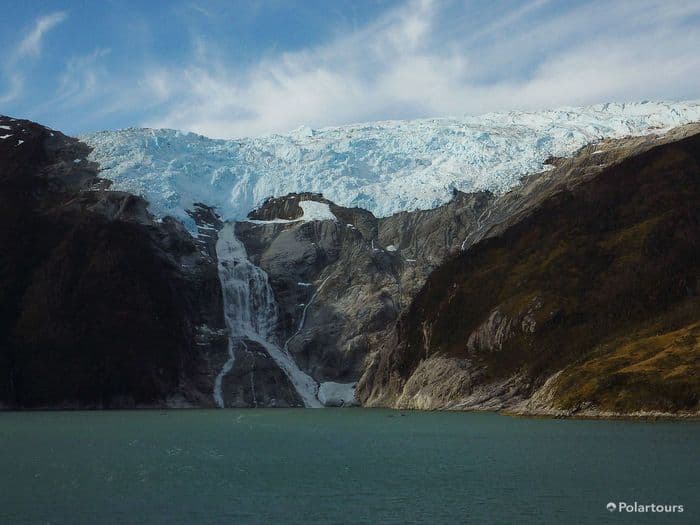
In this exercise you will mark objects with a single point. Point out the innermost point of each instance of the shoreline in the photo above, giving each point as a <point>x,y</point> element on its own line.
<point>648,416</point>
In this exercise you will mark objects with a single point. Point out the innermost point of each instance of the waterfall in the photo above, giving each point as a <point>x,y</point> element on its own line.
<point>250,312</point>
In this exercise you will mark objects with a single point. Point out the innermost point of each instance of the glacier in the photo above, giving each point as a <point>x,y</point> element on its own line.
<point>385,167</point>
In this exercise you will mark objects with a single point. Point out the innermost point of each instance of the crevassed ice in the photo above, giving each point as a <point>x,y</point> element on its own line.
<point>385,167</point>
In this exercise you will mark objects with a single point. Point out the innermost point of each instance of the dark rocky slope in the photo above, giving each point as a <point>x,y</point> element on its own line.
<point>579,296</point>
<point>100,305</point>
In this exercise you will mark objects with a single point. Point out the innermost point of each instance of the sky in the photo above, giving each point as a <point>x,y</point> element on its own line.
<point>229,69</point>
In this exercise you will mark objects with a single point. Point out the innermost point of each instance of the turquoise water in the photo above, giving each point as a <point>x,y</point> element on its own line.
<point>339,466</point>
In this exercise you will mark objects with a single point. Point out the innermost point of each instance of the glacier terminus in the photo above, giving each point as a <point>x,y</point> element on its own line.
<point>385,167</point>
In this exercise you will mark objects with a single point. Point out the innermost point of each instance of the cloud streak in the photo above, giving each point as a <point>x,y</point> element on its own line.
<point>28,48</point>
<point>401,67</point>
<point>31,44</point>
<point>423,58</point>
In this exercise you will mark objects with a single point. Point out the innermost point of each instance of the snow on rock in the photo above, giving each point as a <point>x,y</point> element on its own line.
<point>5,127</point>
<point>385,167</point>
<point>316,211</point>
<point>3,137</point>
<point>333,394</point>
<point>391,248</point>
<point>311,211</point>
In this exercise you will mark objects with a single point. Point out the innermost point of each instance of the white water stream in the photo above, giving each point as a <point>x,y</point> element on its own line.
<point>250,312</point>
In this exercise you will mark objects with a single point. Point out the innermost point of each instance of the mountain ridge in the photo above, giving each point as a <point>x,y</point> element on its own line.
<point>343,287</point>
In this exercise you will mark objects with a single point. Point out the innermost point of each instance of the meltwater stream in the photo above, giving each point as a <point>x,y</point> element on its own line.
<point>250,311</point>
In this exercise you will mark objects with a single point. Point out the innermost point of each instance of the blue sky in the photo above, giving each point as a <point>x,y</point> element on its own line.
<point>236,68</point>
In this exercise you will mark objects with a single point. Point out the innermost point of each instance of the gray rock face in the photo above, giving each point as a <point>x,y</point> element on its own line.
<point>424,238</point>
<point>255,380</point>
<point>499,327</point>
<point>340,284</point>
<point>332,289</point>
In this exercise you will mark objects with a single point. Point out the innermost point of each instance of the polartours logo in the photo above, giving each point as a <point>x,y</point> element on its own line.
<point>622,506</point>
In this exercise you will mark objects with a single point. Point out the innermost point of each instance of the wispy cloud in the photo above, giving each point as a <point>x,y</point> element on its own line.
<point>31,44</point>
<point>28,47</point>
<point>15,81</point>
<point>423,58</point>
<point>81,77</point>
<point>401,66</point>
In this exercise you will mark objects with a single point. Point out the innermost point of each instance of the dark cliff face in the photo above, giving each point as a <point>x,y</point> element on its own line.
<point>100,305</point>
<point>592,282</point>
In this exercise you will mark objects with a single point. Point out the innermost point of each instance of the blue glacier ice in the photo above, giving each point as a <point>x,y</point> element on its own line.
<point>386,166</point>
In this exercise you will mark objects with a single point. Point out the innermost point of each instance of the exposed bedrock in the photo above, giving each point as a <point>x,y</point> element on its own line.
<point>340,283</point>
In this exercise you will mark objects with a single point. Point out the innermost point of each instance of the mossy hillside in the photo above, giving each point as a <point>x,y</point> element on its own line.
<point>648,371</point>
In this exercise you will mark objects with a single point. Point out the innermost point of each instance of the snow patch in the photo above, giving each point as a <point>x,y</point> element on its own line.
<point>6,127</point>
<point>333,394</point>
<point>311,211</point>
<point>3,137</point>
<point>316,211</point>
<point>391,248</point>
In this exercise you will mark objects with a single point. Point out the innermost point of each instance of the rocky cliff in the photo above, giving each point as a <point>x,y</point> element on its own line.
<point>341,279</point>
<point>101,305</point>
<point>130,308</point>
<point>577,294</point>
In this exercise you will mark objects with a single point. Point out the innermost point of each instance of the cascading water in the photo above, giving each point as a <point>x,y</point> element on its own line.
<point>250,312</point>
